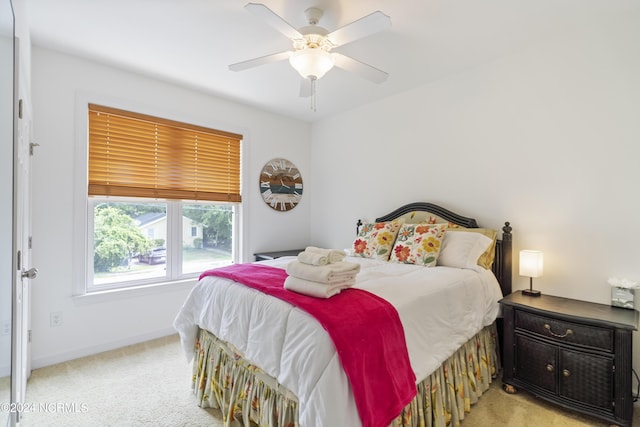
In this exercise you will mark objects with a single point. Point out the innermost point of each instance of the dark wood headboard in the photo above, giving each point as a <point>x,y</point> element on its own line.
<point>502,263</point>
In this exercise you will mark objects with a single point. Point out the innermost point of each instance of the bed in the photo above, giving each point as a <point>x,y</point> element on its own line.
<point>263,361</point>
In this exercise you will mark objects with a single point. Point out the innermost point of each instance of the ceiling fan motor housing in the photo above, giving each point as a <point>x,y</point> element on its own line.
<point>314,35</point>
<point>313,40</point>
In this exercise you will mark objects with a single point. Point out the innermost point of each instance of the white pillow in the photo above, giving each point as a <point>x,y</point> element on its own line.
<point>461,249</point>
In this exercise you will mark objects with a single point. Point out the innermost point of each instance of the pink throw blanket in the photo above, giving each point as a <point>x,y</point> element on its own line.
<point>366,332</point>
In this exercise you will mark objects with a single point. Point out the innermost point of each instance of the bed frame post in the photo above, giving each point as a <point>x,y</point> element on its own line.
<point>505,280</point>
<point>505,276</point>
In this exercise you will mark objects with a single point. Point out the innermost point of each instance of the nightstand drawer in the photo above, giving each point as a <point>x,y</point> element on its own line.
<point>562,331</point>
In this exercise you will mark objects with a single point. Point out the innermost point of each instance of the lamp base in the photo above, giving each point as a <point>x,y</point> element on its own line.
<point>531,292</point>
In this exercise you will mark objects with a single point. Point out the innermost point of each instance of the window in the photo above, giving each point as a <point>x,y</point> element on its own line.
<point>162,199</point>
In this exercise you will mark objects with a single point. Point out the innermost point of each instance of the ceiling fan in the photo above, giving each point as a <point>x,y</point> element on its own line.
<point>312,56</point>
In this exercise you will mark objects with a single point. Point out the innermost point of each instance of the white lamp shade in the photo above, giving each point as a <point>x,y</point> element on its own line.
<point>531,263</point>
<point>312,62</point>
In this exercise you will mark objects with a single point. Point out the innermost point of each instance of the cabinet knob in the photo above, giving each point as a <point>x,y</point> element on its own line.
<point>567,332</point>
<point>549,367</point>
<point>566,373</point>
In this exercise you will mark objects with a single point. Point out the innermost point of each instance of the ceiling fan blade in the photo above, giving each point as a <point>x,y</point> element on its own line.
<point>240,66</point>
<point>305,88</point>
<point>360,68</point>
<point>363,27</point>
<point>273,19</point>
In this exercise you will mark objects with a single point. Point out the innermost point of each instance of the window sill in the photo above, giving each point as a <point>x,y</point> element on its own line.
<point>134,291</point>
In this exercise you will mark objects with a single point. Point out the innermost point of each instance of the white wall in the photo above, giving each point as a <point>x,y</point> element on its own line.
<point>548,139</point>
<point>58,81</point>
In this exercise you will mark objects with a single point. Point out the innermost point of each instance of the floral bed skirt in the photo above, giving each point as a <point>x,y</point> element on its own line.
<point>247,396</point>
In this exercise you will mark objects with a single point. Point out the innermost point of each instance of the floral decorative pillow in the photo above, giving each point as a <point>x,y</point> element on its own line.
<point>418,244</point>
<point>375,240</point>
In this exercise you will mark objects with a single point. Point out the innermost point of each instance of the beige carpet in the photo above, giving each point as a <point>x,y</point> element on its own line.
<point>148,384</point>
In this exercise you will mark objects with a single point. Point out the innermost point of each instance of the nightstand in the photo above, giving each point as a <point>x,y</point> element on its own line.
<point>261,256</point>
<point>573,353</point>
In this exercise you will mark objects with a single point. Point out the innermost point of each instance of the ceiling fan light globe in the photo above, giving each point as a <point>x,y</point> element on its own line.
<point>312,63</point>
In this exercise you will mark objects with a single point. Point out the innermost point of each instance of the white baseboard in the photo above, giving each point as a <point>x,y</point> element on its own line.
<point>88,351</point>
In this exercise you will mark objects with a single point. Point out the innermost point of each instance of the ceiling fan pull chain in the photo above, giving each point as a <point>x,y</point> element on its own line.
<point>313,93</point>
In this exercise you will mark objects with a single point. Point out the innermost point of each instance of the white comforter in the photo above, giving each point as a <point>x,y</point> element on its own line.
<point>440,309</point>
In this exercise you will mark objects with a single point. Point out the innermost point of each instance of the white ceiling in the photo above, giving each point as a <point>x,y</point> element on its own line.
<point>192,42</point>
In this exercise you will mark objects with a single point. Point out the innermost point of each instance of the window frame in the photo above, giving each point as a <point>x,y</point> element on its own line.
<point>82,251</point>
<point>173,243</point>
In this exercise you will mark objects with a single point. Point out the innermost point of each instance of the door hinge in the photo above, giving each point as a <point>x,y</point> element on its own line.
<point>20,108</point>
<point>32,145</point>
<point>30,242</point>
<point>29,336</point>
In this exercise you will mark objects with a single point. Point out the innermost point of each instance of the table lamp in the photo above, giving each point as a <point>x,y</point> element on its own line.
<point>531,265</point>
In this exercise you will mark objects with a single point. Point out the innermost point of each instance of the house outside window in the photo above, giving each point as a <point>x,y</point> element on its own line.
<point>133,240</point>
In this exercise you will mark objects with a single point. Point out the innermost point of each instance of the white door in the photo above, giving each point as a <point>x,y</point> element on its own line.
<point>24,271</point>
<point>6,204</point>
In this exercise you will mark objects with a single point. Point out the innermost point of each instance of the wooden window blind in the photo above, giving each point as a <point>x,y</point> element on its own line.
<point>135,155</point>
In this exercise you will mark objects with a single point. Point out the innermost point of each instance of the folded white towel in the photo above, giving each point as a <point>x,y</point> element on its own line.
<point>333,255</point>
<point>331,273</point>
<point>313,258</point>
<point>315,289</point>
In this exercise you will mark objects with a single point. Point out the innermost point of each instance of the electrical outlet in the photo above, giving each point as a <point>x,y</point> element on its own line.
<point>55,318</point>
<point>6,328</point>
